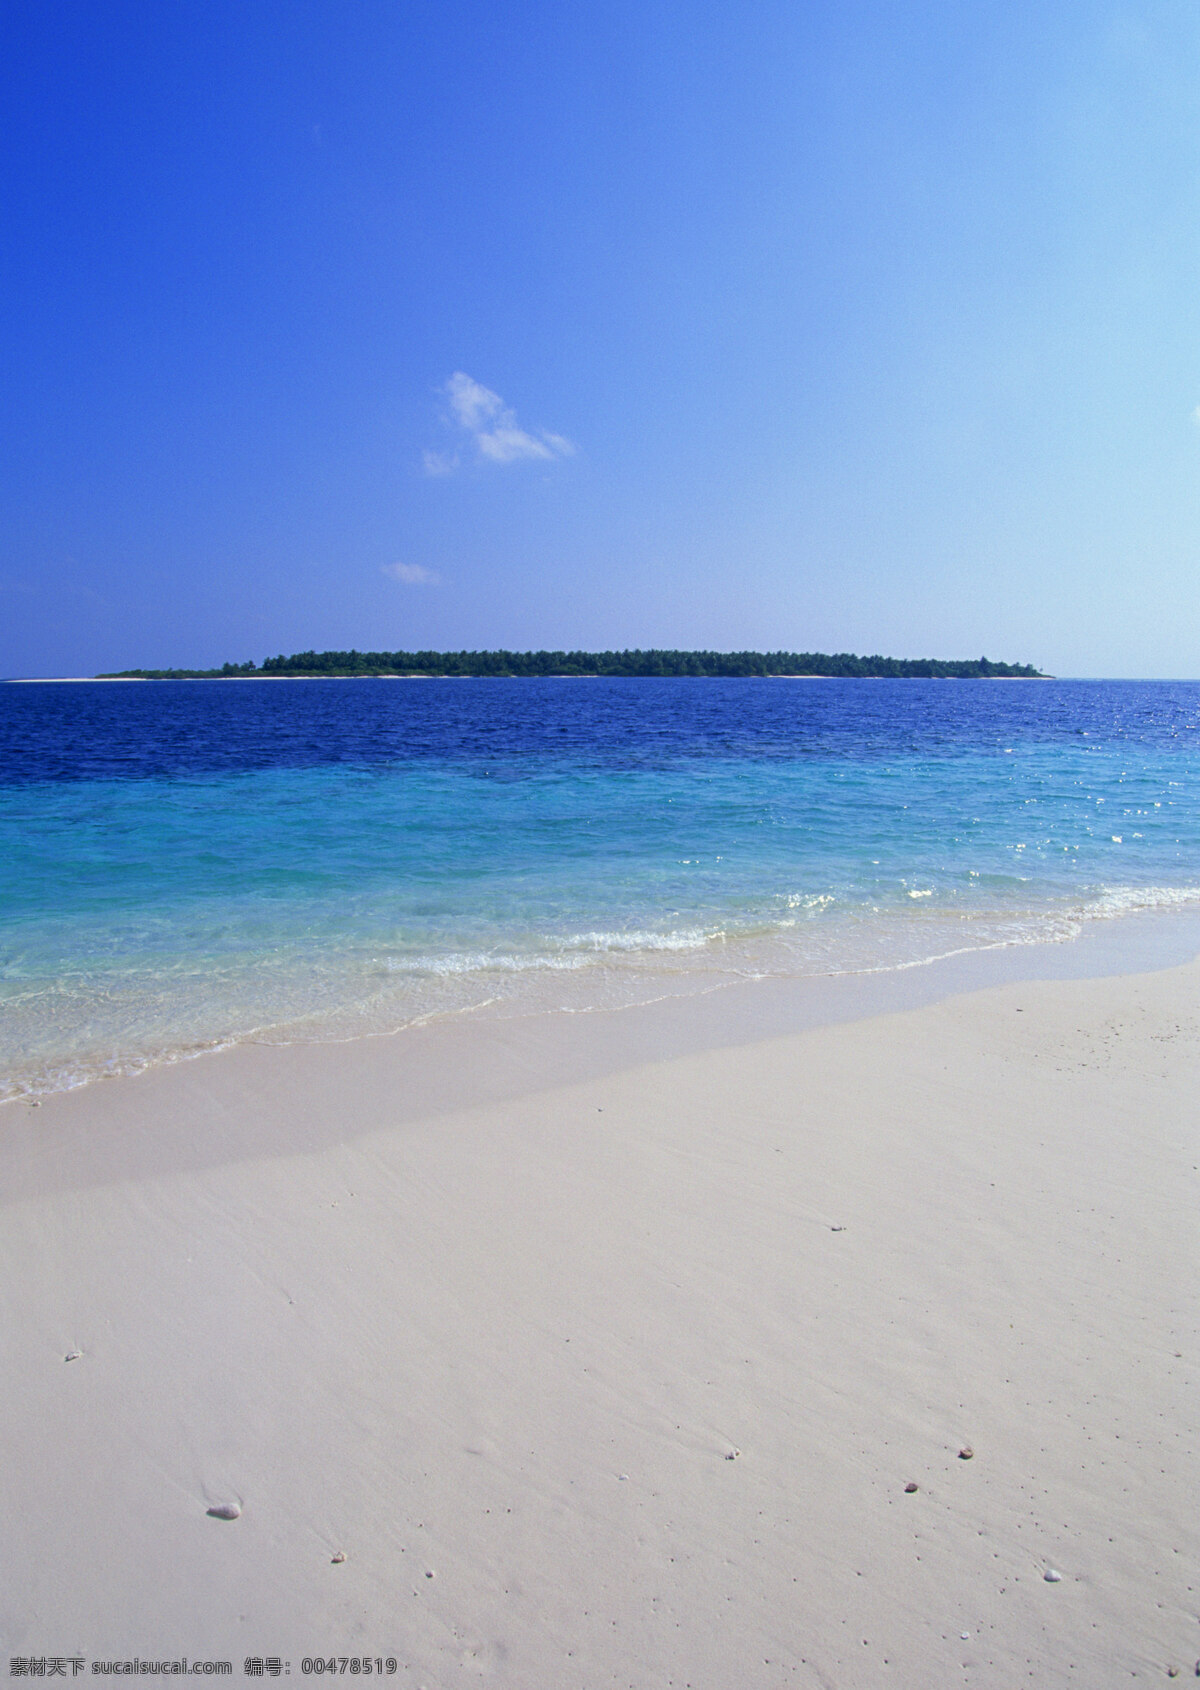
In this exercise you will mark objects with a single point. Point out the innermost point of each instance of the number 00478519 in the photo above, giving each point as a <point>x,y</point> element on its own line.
<point>319,1664</point>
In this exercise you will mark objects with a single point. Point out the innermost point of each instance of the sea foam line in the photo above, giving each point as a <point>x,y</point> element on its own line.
<point>1048,925</point>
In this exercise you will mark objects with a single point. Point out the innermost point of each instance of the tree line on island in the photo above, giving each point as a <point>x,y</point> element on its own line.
<point>725,665</point>
<point>654,663</point>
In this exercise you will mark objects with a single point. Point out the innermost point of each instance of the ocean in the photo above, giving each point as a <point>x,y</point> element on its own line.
<point>186,865</point>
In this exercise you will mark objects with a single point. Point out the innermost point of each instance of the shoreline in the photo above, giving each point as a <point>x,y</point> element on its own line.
<point>486,675</point>
<point>685,1008</point>
<point>603,1347</point>
<point>77,680</point>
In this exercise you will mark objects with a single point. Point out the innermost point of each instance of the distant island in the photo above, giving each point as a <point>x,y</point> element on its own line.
<point>842,665</point>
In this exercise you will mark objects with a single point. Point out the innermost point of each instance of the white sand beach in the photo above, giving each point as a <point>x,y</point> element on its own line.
<point>603,1366</point>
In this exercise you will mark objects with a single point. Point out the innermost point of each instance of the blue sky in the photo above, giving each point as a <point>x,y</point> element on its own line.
<point>845,326</point>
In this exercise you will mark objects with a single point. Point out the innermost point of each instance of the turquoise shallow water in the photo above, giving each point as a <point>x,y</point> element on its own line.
<point>187,865</point>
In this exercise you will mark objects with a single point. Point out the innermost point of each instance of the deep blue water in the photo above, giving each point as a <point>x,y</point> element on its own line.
<point>189,863</point>
<point>183,729</point>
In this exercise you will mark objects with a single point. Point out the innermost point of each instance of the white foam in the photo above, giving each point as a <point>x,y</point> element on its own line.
<point>106,1029</point>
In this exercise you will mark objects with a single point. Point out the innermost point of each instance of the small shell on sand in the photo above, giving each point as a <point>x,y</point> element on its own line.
<point>910,1487</point>
<point>1051,1576</point>
<point>73,1355</point>
<point>339,1558</point>
<point>966,1453</point>
<point>224,1511</point>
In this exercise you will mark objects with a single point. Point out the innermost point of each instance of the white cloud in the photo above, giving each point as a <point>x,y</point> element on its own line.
<point>507,445</point>
<point>493,427</point>
<point>472,403</point>
<point>411,574</point>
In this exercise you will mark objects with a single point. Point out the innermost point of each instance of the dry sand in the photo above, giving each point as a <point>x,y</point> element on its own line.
<point>601,1370</point>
